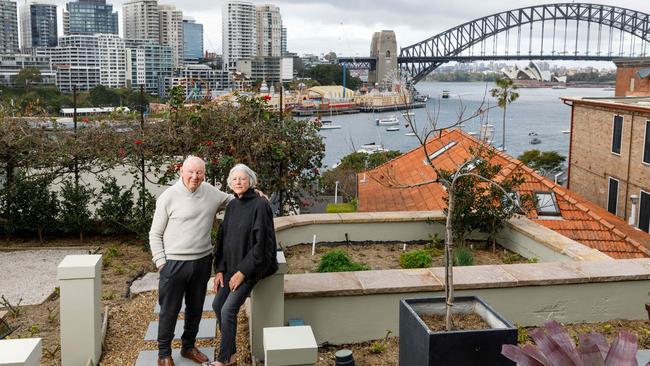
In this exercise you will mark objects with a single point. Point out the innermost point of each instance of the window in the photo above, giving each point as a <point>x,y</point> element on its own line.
<point>547,204</point>
<point>612,198</point>
<point>617,134</point>
<point>646,143</point>
<point>644,211</point>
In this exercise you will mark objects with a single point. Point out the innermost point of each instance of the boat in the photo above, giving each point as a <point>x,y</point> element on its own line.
<point>422,98</point>
<point>566,132</point>
<point>390,121</point>
<point>535,141</point>
<point>371,148</point>
<point>532,133</point>
<point>609,89</point>
<point>327,125</point>
<point>445,94</point>
<point>392,129</point>
<point>409,134</point>
<point>408,114</point>
<point>558,87</point>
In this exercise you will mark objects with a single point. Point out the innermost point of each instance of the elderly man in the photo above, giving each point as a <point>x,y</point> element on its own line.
<point>182,250</point>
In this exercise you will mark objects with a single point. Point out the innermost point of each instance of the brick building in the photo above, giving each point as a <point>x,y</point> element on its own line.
<point>609,154</point>
<point>633,77</point>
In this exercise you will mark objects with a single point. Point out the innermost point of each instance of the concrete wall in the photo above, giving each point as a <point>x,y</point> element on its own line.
<point>360,306</point>
<point>592,163</point>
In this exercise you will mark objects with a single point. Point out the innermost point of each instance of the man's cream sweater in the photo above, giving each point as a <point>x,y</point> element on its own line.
<point>182,222</point>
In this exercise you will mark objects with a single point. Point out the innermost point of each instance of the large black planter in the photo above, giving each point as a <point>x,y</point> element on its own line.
<point>418,346</point>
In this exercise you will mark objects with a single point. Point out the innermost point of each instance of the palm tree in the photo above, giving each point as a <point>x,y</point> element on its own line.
<point>505,94</point>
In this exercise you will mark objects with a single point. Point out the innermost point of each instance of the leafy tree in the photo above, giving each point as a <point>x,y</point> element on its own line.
<point>101,96</point>
<point>545,162</point>
<point>505,92</point>
<point>27,77</point>
<point>75,211</point>
<point>332,74</point>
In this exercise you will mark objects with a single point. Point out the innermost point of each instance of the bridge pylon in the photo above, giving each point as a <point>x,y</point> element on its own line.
<point>384,48</point>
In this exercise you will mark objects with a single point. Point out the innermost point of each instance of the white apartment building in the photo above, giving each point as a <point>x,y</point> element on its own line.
<point>12,64</point>
<point>268,30</point>
<point>171,31</point>
<point>239,36</point>
<point>141,20</point>
<point>86,61</point>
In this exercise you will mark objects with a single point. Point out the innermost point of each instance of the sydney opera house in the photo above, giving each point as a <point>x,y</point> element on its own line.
<point>532,72</point>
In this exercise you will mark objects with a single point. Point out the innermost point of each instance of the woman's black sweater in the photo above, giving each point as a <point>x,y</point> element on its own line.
<point>246,238</point>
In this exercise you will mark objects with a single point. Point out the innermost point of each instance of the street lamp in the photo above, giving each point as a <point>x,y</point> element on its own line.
<point>336,192</point>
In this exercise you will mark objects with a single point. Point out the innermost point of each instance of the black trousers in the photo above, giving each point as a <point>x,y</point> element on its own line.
<point>226,305</point>
<point>178,280</point>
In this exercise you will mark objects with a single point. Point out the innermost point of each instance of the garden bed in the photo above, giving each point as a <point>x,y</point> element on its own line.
<point>386,255</point>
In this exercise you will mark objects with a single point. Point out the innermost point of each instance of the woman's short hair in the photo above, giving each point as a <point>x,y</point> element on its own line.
<point>252,177</point>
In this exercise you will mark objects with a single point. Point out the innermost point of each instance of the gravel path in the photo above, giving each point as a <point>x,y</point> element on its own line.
<point>30,274</point>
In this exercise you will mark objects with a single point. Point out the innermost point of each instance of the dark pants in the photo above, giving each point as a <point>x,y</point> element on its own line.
<point>180,279</point>
<point>226,305</point>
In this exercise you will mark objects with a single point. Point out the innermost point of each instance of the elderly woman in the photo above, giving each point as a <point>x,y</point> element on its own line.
<point>244,254</point>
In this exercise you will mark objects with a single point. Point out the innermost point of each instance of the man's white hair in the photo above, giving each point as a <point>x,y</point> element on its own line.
<point>191,158</point>
<point>252,177</point>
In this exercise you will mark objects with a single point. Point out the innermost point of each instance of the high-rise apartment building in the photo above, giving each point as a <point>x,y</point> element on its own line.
<point>89,17</point>
<point>148,64</point>
<point>239,23</point>
<point>38,24</point>
<point>12,64</point>
<point>141,20</point>
<point>268,30</point>
<point>171,31</point>
<point>9,27</point>
<point>283,43</point>
<point>192,39</point>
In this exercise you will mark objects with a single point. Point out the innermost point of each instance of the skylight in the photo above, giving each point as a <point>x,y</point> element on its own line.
<point>547,204</point>
<point>442,150</point>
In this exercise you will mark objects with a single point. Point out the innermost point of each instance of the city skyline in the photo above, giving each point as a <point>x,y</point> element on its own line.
<point>346,27</point>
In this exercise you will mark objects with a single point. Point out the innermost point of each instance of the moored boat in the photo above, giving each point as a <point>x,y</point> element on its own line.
<point>389,121</point>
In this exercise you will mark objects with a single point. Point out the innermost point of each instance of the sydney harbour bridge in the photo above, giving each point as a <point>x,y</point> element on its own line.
<point>563,31</point>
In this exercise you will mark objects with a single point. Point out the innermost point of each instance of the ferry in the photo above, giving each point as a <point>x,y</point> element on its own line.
<point>390,121</point>
<point>421,98</point>
<point>445,94</point>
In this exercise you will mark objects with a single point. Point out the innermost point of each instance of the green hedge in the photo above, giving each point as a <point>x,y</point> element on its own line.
<point>415,259</point>
<point>341,207</point>
<point>338,261</point>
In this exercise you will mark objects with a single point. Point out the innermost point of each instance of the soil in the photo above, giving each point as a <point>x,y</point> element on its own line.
<point>471,321</point>
<point>384,255</point>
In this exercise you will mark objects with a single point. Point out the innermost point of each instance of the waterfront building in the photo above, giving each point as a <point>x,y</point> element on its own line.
<point>171,31</point>
<point>609,155</point>
<point>148,63</point>
<point>632,77</point>
<point>141,20</point>
<point>269,30</point>
<point>533,71</point>
<point>192,40</point>
<point>89,17</point>
<point>11,64</point>
<point>267,69</point>
<point>239,36</point>
<point>9,28</point>
<point>199,81</point>
<point>38,24</point>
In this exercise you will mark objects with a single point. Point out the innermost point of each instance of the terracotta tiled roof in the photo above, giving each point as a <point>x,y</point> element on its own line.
<point>580,219</point>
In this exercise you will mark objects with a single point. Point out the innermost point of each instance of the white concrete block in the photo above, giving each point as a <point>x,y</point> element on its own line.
<point>21,352</point>
<point>288,346</point>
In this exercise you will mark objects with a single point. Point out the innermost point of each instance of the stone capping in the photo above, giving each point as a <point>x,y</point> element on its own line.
<point>465,278</point>
<point>288,222</point>
<point>555,241</point>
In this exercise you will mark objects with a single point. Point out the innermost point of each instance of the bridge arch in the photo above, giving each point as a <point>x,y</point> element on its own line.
<point>421,58</point>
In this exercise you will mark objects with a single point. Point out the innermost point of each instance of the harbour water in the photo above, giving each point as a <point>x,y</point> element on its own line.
<point>537,110</point>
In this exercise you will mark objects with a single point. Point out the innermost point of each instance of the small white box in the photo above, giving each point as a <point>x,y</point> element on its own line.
<point>20,352</point>
<point>289,346</point>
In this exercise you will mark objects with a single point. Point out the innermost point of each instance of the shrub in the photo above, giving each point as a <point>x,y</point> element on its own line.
<point>29,206</point>
<point>509,258</point>
<point>141,217</point>
<point>463,256</point>
<point>415,259</point>
<point>338,261</point>
<point>75,213</point>
<point>341,207</point>
<point>114,207</point>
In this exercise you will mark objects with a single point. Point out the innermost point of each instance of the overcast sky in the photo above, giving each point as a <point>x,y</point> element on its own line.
<point>346,26</point>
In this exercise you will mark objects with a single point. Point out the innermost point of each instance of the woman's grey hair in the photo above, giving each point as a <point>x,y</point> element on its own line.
<point>252,177</point>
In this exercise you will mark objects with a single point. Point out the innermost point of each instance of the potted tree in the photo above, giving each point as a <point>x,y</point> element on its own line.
<point>471,183</point>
